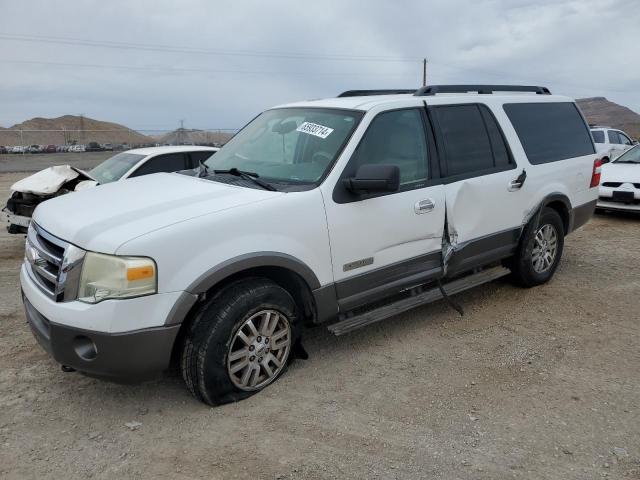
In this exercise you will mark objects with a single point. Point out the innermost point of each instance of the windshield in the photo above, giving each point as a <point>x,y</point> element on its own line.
<point>632,156</point>
<point>115,167</point>
<point>288,145</point>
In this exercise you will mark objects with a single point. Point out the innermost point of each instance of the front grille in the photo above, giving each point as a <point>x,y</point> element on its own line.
<point>44,256</point>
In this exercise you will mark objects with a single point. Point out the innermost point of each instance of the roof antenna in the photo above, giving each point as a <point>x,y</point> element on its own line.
<point>424,72</point>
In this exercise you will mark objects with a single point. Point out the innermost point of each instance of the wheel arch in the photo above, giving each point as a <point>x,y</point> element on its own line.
<point>562,205</point>
<point>286,271</point>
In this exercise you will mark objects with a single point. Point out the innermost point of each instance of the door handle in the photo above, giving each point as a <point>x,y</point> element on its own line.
<point>424,206</point>
<point>517,183</point>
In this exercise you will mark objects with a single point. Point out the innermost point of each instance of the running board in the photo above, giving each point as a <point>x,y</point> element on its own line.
<point>392,309</point>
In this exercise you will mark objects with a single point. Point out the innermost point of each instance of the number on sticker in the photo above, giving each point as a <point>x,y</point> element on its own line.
<point>315,129</point>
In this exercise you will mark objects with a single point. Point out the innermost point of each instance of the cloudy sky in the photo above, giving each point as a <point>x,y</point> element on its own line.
<point>150,63</point>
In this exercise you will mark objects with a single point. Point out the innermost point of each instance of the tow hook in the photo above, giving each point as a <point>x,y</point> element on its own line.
<point>67,369</point>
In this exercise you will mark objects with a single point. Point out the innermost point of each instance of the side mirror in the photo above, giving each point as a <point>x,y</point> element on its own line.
<point>374,178</point>
<point>634,142</point>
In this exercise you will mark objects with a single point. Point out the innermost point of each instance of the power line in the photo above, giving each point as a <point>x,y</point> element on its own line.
<point>201,50</point>
<point>169,69</point>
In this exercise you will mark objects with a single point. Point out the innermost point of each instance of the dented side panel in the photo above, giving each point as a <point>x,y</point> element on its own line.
<point>481,206</point>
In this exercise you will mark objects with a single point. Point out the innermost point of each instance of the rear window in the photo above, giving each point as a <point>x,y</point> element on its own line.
<point>550,132</point>
<point>598,136</point>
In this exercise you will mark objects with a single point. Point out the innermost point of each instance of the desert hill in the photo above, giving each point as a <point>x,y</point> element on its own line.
<point>600,111</point>
<point>67,129</point>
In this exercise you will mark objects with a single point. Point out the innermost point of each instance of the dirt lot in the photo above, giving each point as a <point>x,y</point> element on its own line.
<point>541,383</point>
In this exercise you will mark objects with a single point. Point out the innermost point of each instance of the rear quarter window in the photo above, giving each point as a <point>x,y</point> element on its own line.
<point>550,132</point>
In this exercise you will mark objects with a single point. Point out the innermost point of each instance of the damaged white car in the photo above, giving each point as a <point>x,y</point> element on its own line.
<point>51,182</point>
<point>343,212</point>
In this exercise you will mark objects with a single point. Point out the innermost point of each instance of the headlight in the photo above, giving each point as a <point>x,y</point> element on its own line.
<point>110,276</point>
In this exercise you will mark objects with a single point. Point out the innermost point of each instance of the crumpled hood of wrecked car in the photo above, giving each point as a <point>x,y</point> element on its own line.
<point>103,218</point>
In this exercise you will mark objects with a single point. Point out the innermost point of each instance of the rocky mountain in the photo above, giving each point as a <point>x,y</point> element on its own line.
<point>69,129</point>
<point>600,111</point>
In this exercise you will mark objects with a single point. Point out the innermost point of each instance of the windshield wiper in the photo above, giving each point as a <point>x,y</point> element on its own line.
<point>248,176</point>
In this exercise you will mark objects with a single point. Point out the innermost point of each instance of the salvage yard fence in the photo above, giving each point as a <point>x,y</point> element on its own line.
<point>126,138</point>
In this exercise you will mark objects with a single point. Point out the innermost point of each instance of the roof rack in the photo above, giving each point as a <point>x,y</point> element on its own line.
<point>481,89</point>
<point>367,93</point>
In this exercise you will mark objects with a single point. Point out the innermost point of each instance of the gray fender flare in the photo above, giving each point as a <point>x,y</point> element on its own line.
<point>232,266</point>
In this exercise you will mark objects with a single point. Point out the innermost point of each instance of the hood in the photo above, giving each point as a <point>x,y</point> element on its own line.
<point>620,172</point>
<point>49,180</point>
<point>101,219</point>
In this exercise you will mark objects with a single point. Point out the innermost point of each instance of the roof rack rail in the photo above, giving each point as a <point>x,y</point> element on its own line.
<point>481,89</point>
<point>367,93</point>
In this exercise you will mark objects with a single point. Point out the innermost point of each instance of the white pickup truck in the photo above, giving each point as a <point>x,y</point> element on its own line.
<point>341,212</point>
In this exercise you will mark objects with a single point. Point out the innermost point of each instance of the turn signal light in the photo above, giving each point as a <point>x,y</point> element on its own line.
<point>139,273</point>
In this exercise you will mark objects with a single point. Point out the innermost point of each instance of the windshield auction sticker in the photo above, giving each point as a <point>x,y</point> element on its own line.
<point>315,129</point>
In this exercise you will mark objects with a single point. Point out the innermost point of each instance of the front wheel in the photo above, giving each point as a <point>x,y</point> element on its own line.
<point>239,342</point>
<point>540,250</point>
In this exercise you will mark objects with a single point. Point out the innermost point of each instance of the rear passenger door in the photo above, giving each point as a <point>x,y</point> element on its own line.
<point>484,205</point>
<point>170,162</point>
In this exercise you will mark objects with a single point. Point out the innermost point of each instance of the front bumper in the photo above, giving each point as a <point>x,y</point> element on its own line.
<point>118,339</point>
<point>607,204</point>
<point>129,356</point>
<point>606,201</point>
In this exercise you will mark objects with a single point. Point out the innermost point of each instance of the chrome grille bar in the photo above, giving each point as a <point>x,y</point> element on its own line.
<point>44,257</point>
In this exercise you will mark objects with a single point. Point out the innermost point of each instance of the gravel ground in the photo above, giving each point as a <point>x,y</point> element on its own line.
<point>540,383</point>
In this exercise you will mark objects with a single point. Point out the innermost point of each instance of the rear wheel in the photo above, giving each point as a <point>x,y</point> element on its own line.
<point>239,341</point>
<point>540,249</point>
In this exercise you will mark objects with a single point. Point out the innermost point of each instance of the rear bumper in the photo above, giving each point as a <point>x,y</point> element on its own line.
<point>129,356</point>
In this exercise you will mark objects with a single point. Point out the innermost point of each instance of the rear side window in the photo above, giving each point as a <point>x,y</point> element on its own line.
<point>598,136</point>
<point>613,136</point>
<point>471,139</point>
<point>550,132</point>
<point>171,162</point>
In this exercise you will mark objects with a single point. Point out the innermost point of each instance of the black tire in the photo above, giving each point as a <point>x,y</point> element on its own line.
<point>210,336</point>
<point>522,265</point>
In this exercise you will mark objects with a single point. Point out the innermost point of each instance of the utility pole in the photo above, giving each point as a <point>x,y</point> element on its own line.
<point>181,132</point>
<point>424,72</point>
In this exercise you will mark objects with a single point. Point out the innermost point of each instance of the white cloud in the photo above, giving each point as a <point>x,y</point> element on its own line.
<point>578,48</point>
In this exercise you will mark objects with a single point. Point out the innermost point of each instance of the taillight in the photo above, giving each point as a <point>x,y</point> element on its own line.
<point>595,176</point>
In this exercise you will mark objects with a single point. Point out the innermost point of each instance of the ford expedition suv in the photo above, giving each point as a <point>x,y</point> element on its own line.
<point>341,212</point>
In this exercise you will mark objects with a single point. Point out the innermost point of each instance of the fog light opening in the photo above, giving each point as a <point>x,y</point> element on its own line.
<point>85,348</point>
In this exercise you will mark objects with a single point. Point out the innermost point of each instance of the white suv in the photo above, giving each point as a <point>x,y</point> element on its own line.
<point>610,142</point>
<point>342,212</point>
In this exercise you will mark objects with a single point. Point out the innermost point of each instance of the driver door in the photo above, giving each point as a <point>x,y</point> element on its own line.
<point>384,243</point>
